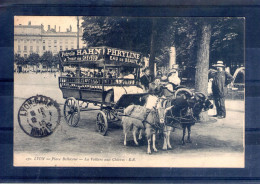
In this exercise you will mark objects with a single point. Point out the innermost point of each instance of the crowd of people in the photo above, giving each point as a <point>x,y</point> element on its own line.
<point>110,73</point>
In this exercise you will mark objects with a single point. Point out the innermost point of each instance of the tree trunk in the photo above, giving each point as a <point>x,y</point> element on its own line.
<point>152,43</point>
<point>202,67</point>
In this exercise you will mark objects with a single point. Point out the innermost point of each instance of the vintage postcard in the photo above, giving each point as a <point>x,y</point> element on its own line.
<point>129,92</point>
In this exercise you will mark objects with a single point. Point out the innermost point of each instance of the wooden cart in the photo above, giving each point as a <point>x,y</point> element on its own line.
<point>80,90</point>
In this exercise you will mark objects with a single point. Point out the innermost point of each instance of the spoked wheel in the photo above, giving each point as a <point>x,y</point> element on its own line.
<point>101,123</point>
<point>71,111</point>
<point>112,115</point>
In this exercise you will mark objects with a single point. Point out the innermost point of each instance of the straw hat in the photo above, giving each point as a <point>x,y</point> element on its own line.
<point>219,64</point>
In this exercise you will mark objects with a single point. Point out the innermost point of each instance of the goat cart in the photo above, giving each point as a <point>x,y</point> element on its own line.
<point>97,80</point>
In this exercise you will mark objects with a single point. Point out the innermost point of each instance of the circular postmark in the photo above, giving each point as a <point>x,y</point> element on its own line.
<point>39,116</point>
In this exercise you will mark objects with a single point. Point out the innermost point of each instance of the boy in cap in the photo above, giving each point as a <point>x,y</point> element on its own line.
<point>220,79</point>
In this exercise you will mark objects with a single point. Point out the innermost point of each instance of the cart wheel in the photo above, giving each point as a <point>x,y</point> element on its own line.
<point>101,123</point>
<point>71,111</point>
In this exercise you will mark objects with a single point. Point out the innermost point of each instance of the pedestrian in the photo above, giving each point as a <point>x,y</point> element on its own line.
<point>146,79</point>
<point>220,79</point>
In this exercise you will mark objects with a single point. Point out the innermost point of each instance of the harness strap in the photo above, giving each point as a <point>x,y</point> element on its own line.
<point>156,125</point>
<point>146,115</point>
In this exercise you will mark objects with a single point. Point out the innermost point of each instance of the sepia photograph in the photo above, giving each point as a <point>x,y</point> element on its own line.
<point>104,91</point>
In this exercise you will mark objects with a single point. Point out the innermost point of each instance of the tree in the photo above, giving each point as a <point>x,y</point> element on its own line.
<point>201,77</point>
<point>19,60</point>
<point>47,58</point>
<point>33,59</point>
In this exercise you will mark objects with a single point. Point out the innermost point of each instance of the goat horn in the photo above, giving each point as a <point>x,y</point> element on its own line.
<point>200,93</point>
<point>183,89</point>
<point>168,108</point>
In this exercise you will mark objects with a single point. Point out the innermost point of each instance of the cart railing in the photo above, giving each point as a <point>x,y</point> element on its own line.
<point>94,83</point>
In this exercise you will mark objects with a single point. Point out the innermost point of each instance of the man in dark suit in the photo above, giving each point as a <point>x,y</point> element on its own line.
<point>146,79</point>
<point>220,79</point>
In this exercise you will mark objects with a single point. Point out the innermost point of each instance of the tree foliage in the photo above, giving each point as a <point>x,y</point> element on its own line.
<point>227,43</point>
<point>33,59</point>
<point>183,33</point>
<point>19,60</point>
<point>120,32</point>
<point>47,59</point>
<point>137,34</point>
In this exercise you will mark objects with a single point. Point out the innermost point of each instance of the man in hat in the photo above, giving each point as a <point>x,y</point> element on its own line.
<point>220,79</point>
<point>146,79</point>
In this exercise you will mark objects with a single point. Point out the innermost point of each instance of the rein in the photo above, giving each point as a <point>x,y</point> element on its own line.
<point>185,117</point>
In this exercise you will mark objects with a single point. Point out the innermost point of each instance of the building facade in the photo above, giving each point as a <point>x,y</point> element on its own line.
<point>34,39</point>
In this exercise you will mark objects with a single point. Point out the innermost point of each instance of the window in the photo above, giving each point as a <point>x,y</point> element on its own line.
<point>43,48</point>
<point>66,41</point>
<point>72,47</point>
<point>72,42</point>
<point>19,47</point>
<point>55,41</point>
<point>25,48</point>
<point>43,41</point>
<point>25,55</point>
<point>66,48</point>
<point>31,48</point>
<point>60,47</point>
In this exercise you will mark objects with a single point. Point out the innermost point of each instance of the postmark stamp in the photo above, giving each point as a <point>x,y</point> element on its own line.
<point>39,116</point>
